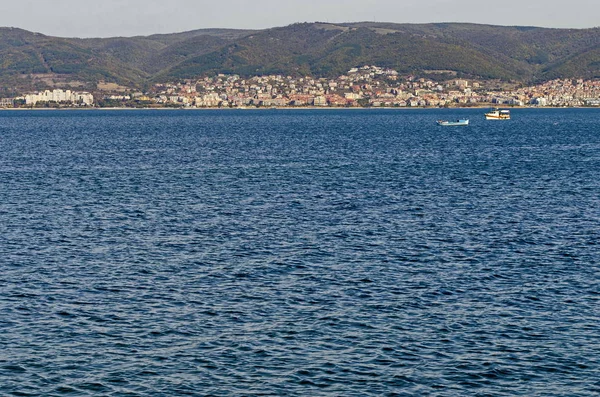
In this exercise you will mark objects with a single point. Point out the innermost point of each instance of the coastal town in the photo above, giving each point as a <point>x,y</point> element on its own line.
<point>367,86</point>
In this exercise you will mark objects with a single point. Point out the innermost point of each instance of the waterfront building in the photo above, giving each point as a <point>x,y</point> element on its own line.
<point>60,96</point>
<point>7,102</point>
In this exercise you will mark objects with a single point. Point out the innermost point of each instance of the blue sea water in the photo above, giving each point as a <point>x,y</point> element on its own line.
<point>299,253</point>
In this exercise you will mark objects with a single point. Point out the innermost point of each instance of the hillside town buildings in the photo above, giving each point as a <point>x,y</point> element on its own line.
<point>367,86</point>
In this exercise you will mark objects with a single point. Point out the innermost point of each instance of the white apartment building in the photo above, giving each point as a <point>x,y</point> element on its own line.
<point>60,96</point>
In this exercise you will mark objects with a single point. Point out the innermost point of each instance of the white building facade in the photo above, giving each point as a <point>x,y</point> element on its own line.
<point>58,96</point>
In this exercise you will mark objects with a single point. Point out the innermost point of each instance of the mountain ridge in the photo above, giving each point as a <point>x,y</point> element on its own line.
<point>30,60</point>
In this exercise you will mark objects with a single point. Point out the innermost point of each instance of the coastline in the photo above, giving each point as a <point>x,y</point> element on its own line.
<point>405,108</point>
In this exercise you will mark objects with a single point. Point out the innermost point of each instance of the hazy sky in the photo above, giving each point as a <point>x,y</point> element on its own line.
<point>105,18</point>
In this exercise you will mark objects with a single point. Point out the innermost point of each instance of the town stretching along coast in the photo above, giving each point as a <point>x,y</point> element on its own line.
<point>367,86</point>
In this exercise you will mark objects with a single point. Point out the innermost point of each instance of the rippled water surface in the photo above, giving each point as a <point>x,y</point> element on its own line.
<point>308,253</point>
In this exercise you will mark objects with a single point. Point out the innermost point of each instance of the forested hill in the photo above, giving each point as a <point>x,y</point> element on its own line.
<point>526,54</point>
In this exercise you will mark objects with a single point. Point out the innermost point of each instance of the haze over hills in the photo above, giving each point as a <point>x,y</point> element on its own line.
<point>524,54</point>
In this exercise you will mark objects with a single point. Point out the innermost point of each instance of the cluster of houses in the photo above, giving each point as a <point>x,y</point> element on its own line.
<point>562,92</point>
<point>366,86</point>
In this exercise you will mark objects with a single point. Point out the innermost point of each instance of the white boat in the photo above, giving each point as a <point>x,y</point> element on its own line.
<point>461,122</point>
<point>497,114</point>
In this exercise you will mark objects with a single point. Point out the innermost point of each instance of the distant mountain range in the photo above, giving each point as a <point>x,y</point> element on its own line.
<point>523,54</point>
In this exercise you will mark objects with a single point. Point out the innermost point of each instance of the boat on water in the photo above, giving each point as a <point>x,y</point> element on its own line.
<point>446,123</point>
<point>498,114</point>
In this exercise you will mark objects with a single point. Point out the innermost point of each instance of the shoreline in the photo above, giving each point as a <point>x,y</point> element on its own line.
<point>298,108</point>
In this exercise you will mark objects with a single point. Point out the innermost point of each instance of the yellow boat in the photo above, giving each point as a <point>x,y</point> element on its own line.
<point>497,114</point>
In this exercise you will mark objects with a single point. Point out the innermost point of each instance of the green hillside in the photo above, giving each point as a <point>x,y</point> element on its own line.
<point>489,52</point>
<point>523,54</point>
